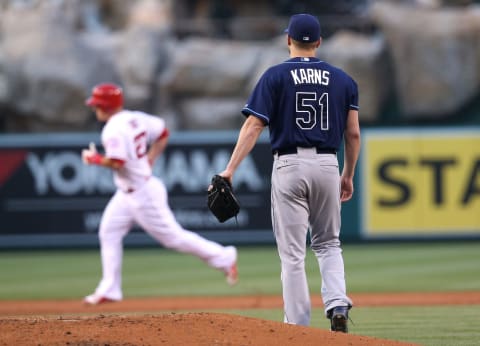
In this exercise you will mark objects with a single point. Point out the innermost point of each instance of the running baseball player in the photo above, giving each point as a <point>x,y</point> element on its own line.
<point>309,107</point>
<point>132,140</point>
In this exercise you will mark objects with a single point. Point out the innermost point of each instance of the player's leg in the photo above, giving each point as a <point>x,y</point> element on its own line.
<point>290,224</point>
<point>155,216</point>
<point>115,224</point>
<point>325,231</point>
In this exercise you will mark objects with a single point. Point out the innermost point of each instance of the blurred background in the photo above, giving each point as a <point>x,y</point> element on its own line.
<point>417,64</point>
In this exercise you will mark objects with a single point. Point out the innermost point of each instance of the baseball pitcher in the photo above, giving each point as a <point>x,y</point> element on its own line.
<point>310,107</point>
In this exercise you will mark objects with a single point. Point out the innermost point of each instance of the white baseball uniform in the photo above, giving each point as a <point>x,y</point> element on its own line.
<point>142,198</point>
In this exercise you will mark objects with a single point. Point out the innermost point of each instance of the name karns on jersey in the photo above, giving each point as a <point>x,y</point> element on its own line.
<point>310,76</point>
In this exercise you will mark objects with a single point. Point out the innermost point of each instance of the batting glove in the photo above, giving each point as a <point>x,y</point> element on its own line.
<point>91,156</point>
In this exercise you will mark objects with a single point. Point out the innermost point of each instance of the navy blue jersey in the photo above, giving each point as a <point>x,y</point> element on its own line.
<point>304,102</point>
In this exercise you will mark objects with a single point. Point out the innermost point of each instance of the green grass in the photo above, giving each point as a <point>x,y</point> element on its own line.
<point>426,325</point>
<point>432,326</point>
<point>413,267</point>
<point>393,267</point>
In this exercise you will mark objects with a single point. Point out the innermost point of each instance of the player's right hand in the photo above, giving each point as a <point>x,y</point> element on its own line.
<point>87,154</point>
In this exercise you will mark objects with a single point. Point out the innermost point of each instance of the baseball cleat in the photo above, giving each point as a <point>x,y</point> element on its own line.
<point>338,319</point>
<point>96,299</point>
<point>232,275</point>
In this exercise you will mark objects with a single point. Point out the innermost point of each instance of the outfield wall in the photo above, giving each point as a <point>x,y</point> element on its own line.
<point>410,184</point>
<point>420,182</point>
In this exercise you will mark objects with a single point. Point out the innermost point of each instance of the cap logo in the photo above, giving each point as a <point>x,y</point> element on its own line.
<point>304,28</point>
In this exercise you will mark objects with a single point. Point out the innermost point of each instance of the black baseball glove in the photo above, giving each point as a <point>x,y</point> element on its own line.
<point>220,199</point>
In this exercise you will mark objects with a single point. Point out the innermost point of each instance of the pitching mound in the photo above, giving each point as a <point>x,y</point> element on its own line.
<point>171,329</point>
<point>137,322</point>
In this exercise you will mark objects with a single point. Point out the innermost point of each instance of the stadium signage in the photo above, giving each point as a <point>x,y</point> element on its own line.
<point>46,189</point>
<point>418,182</point>
<point>63,172</point>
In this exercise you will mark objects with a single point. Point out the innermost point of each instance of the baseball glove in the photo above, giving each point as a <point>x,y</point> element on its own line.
<point>220,199</point>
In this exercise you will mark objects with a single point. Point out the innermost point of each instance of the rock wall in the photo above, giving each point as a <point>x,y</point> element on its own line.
<point>425,55</point>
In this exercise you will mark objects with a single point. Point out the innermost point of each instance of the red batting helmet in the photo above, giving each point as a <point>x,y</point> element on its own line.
<point>106,96</point>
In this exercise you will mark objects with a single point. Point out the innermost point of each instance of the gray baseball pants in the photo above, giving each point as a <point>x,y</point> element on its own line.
<point>306,197</point>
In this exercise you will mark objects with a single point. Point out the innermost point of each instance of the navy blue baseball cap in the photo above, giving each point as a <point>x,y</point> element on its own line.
<point>303,28</point>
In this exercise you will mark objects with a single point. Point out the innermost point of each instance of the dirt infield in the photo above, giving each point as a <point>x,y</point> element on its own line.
<point>132,322</point>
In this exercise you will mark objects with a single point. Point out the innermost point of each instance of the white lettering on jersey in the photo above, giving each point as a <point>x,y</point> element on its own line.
<point>310,76</point>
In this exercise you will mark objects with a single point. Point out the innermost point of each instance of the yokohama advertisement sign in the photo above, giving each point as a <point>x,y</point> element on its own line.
<point>48,197</point>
